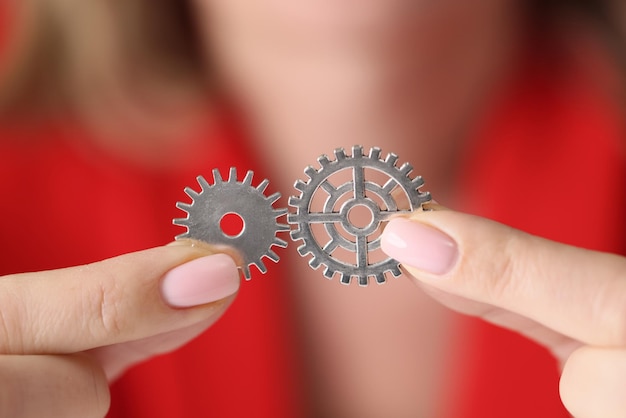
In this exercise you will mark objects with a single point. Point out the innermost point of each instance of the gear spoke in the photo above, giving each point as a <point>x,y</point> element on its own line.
<point>324,218</point>
<point>361,253</point>
<point>359,183</point>
<point>328,188</point>
<point>331,246</point>
<point>389,186</point>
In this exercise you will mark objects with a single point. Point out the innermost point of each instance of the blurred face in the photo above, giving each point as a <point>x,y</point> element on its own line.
<point>320,60</point>
<point>313,75</point>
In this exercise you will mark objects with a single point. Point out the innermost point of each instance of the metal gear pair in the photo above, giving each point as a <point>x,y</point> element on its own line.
<point>324,217</point>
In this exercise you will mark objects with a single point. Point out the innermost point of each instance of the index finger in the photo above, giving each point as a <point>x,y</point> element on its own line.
<point>113,301</point>
<point>579,293</point>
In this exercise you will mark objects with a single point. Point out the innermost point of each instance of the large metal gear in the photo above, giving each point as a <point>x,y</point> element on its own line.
<point>340,233</point>
<point>224,198</point>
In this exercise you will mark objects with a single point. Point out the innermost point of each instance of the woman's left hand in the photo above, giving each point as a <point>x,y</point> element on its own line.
<point>571,300</point>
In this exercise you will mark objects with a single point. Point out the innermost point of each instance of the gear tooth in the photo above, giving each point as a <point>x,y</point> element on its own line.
<point>247,180</point>
<point>183,206</point>
<point>182,236</point>
<point>314,263</point>
<point>294,201</point>
<point>420,199</point>
<point>380,278</point>
<point>328,273</point>
<point>303,250</point>
<point>217,176</point>
<point>282,227</point>
<point>280,212</point>
<point>204,184</point>
<point>292,219</point>
<point>357,151</point>
<point>345,278</point>
<point>374,153</point>
<point>191,193</point>
<point>180,222</point>
<point>245,270</point>
<point>340,154</point>
<point>405,169</point>
<point>363,280</point>
<point>273,198</point>
<point>272,256</point>
<point>232,175</point>
<point>300,185</point>
<point>395,270</point>
<point>279,242</point>
<point>323,160</point>
<point>391,159</point>
<point>296,234</point>
<point>417,182</point>
<point>310,171</point>
<point>261,266</point>
<point>263,185</point>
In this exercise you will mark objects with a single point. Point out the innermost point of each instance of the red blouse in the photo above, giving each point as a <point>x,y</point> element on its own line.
<point>549,159</point>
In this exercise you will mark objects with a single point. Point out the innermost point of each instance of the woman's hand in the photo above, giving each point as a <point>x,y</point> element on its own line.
<point>569,299</point>
<point>64,334</point>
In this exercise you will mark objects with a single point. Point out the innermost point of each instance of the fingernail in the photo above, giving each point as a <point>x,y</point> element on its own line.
<point>418,245</point>
<point>203,280</point>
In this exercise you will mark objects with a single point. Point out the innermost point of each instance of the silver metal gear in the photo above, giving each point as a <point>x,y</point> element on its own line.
<point>215,201</point>
<point>340,231</point>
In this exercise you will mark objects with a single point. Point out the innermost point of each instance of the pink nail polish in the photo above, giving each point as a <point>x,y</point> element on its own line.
<point>419,245</point>
<point>203,280</point>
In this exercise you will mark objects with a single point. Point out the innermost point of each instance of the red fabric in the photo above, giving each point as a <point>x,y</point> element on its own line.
<point>550,160</point>
<point>62,207</point>
<point>547,160</point>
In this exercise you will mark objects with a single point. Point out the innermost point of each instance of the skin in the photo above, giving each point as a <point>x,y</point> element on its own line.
<point>119,301</point>
<point>568,299</point>
<point>333,75</point>
<point>346,75</point>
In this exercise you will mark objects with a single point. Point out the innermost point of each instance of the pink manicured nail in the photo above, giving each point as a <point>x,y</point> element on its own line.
<point>419,245</point>
<point>200,281</point>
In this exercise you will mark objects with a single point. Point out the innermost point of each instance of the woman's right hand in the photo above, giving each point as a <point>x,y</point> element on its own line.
<point>65,334</point>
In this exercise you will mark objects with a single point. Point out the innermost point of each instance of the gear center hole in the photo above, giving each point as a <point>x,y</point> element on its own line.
<point>232,225</point>
<point>360,216</point>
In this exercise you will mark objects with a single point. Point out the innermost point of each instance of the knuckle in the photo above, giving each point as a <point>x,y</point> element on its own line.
<point>610,309</point>
<point>502,280</point>
<point>97,388</point>
<point>11,315</point>
<point>5,333</point>
<point>104,302</point>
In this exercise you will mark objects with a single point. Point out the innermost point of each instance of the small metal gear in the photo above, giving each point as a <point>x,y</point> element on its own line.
<point>223,198</point>
<point>339,231</point>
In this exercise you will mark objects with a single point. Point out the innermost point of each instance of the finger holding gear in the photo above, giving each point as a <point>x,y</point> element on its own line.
<point>254,210</point>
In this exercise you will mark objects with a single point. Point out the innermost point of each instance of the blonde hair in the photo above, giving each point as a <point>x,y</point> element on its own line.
<point>87,55</point>
<point>73,54</point>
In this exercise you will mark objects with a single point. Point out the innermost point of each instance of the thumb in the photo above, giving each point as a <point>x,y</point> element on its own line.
<point>576,292</point>
<point>130,297</point>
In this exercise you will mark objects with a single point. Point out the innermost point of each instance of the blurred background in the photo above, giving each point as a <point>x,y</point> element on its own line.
<point>510,110</point>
